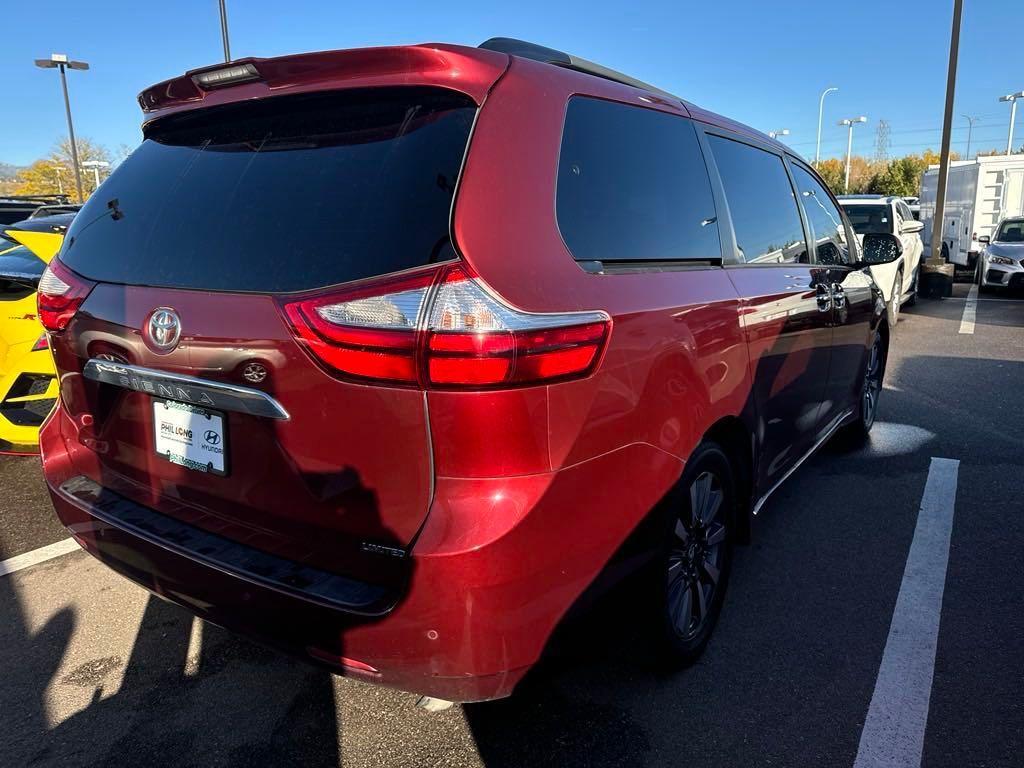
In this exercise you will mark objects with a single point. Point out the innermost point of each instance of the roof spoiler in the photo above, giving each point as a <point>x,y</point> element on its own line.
<point>469,70</point>
<point>527,50</point>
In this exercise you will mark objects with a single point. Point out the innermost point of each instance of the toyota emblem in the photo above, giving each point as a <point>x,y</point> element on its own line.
<point>164,329</point>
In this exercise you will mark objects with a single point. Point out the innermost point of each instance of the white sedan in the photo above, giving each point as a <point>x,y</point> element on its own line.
<point>892,216</point>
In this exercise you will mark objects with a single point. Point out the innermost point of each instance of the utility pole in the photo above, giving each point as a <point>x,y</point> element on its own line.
<point>938,221</point>
<point>849,123</point>
<point>60,61</point>
<point>821,108</point>
<point>970,129</point>
<point>224,31</point>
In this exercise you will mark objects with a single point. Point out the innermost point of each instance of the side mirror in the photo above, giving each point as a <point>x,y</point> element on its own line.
<point>984,239</point>
<point>26,279</point>
<point>911,226</point>
<point>880,248</point>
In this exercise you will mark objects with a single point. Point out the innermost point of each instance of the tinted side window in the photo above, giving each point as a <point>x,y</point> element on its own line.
<point>632,186</point>
<point>764,212</point>
<point>827,227</point>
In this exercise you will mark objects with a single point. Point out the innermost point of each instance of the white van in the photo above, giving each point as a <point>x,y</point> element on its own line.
<point>979,193</point>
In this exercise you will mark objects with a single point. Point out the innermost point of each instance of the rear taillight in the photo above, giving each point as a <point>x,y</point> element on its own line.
<point>445,329</point>
<point>41,343</point>
<point>59,296</point>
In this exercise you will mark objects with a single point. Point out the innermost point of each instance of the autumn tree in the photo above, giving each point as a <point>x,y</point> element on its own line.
<point>54,173</point>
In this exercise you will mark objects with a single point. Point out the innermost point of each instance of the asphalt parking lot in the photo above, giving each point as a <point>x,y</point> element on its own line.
<point>97,672</point>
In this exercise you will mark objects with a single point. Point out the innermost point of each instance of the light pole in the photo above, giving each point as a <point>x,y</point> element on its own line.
<point>821,108</point>
<point>849,123</point>
<point>60,61</point>
<point>970,129</point>
<point>780,132</point>
<point>224,31</point>
<point>1012,98</point>
<point>96,165</point>
<point>59,170</point>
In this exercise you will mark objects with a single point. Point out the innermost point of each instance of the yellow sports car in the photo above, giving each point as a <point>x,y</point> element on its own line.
<point>28,382</point>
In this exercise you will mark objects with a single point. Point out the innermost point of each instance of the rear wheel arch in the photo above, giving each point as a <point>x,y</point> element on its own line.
<point>737,440</point>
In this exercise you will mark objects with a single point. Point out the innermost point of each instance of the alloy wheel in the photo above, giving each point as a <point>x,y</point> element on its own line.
<point>696,556</point>
<point>872,384</point>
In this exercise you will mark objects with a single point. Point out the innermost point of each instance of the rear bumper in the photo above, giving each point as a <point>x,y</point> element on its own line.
<point>328,620</point>
<point>499,563</point>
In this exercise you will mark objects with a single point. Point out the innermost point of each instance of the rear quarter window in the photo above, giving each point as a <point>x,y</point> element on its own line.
<point>282,194</point>
<point>633,187</point>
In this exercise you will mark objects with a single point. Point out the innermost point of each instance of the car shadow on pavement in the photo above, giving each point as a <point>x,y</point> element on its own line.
<point>229,703</point>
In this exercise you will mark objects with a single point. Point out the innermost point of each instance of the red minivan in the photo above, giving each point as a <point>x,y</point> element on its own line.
<point>382,356</point>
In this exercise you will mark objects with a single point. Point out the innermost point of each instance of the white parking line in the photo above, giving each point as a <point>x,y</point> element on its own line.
<point>893,734</point>
<point>37,556</point>
<point>970,311</point>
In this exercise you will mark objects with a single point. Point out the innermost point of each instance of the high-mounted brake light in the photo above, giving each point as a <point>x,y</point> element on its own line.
<point>445,329</point>
<point>60,294</point>
<point>216,78</point>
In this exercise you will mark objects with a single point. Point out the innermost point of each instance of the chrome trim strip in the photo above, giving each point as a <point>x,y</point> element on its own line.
<point>838,423</point>
<point>185,389</point>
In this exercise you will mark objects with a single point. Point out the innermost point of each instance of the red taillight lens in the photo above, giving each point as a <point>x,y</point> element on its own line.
<point>445,329</point>
<point>41,343</point>
<point>521,357</point>
<point>368,333</point>
<point>60,294</point>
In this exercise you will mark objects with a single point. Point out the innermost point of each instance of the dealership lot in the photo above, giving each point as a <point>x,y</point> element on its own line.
<point>97,672</point>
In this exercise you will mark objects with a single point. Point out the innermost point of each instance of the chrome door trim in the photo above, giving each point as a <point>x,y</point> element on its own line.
<point>838,423</point>
<point>185,389</point>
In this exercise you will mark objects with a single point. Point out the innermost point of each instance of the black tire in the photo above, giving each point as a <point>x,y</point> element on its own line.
<point>695,557</point>
<point>857,431</point>
<point>979,276</point>
<point>912,299</point>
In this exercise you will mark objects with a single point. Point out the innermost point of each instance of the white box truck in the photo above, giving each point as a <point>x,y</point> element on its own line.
<point>979,193</point>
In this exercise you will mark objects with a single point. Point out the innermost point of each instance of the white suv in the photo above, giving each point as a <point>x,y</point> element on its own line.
<point>889,215</point>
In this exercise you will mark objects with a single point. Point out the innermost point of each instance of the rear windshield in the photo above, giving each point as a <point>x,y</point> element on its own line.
<point>283,194</point>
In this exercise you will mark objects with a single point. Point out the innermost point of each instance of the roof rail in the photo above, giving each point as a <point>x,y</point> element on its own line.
<point>536,52</point>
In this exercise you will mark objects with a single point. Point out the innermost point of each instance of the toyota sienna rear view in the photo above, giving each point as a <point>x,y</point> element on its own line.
<point>383,356</point>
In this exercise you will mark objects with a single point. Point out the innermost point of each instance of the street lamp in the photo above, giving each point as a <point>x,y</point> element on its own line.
<point>849,123</point>
<point>59,170</point>
<point>780,132</point>
<point>224,31</point>
<point>1012,98</point>
<point>95,165</point>
<point>60,61</point>
<point>821,107</point>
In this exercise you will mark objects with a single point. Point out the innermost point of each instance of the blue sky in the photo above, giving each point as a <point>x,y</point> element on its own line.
<point>764,63</point>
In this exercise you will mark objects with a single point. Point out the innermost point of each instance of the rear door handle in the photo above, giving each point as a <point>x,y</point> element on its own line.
<point>838,296</point>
